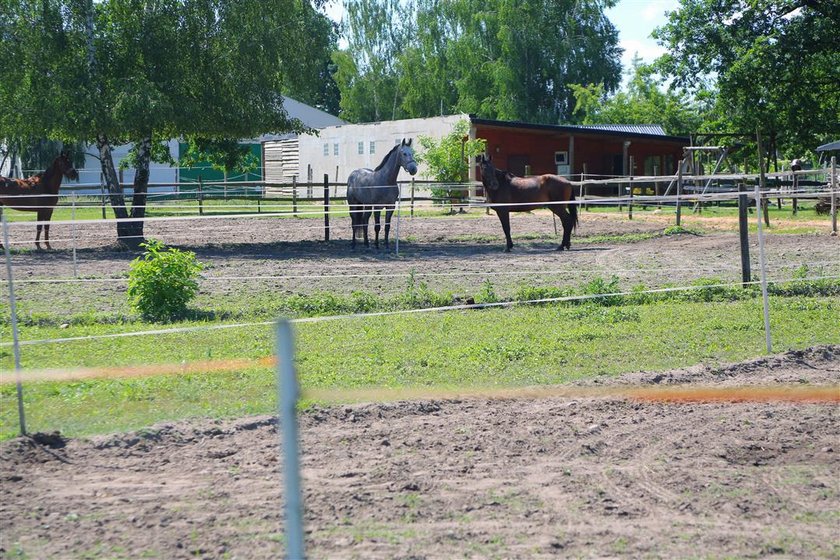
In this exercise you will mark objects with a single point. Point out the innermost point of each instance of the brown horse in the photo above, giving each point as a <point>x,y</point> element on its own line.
<point>38,193</point>
<point>524,194</point>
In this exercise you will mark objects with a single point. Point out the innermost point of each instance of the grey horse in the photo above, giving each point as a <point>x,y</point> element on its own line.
<point>372,190</point>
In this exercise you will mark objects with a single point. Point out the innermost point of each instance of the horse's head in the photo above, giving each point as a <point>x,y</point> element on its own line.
<point>64,166</point>
<point>488,174</point>
<point>406,155</point>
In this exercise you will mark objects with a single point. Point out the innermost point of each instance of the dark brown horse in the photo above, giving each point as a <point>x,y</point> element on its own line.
<point>523,194</point>
<point>38,193</point>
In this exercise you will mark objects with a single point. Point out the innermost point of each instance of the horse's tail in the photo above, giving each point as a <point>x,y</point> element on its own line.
<point>573,208</point>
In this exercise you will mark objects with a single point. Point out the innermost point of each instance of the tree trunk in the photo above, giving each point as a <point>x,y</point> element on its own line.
<point>125,229</point>
<point>141,187</point>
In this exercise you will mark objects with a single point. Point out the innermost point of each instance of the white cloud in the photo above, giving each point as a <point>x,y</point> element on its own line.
<point>648,50</point>
<point>656,10</point>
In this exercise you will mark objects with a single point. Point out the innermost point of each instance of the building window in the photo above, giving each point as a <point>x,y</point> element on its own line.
<point>372,147</point>
<point>561,158</point>
<point>361,148</point>
<point>335,149</point>
<point>326,149</point>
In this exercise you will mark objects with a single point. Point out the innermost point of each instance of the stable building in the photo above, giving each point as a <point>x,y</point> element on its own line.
<point>521,148</point>
<point>594,151</point>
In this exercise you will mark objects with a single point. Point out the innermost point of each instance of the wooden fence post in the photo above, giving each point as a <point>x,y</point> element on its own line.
<point>743,231</point>
<point>584,187</point>
<point>294,195</point>
<point>326,207</point>
<point>630,190</point>
<point>412,197</point>
<point>833,195</point>
<point>679,191</point>
<point>102,187</point>
<point>656,187</point>
<point>200,196</point>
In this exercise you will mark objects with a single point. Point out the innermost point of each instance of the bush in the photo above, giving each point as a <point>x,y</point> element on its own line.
<point>162,281</point>
<point>607,291</point>
<point>487,294</point>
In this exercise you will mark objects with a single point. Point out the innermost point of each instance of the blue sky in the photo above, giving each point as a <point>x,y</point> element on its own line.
<point>635,20</point>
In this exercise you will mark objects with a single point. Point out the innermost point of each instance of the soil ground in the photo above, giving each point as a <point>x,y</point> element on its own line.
<point>469,478</point>
<point>453,253</point>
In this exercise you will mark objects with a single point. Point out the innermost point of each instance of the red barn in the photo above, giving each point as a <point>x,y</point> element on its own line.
<point>598,150</point>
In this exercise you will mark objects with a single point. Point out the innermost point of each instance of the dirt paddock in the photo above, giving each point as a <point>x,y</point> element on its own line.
<point>455,253</point>
<point>468,478</point>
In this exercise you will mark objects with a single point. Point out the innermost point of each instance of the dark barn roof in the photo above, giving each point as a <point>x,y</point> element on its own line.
<point>650,132</point>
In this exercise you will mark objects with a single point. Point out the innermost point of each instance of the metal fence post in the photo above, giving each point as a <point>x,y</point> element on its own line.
<point>73,233</point>
<point>287,398</point>
<point>763,264</point>
<point>326,207</point>
<point>15,334</point>
<point>397,229</point>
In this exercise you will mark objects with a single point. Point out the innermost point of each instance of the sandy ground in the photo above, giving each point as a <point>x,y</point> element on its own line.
<point>468,478</point>
<point>520,478</point>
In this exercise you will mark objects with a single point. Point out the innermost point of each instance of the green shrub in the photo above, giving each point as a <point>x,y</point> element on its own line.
<point>678,230</point>
<point>487,294</point>
<point>418,295</point>
<point>598,286</point>
<point>162,281</point>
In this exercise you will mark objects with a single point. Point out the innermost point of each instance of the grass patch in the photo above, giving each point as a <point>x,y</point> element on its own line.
<point>526,345</point>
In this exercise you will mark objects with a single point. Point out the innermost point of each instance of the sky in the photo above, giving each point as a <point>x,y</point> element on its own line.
<point>635,20</point>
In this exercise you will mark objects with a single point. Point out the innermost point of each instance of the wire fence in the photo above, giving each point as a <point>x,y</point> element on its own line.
<point>232,364</point>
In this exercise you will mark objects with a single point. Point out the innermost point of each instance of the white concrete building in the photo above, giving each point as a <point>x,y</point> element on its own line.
<point>337,150</point>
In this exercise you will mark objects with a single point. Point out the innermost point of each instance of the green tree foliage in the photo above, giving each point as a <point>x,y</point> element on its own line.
<point>506,59</point>
<point>223,155</point>
<point>145,71</point>
<point>775,64</point>
<point>644,101</point>
<point>162,281</point>
<point>376,32</point>
<point>448,158</point>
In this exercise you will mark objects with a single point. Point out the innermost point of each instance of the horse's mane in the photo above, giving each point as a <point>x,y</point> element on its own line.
<point>386,158</point>
<point>503,175</point>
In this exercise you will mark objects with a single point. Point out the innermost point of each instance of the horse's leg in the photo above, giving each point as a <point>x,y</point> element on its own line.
<point>47,216</point>
<point>353,223</point>
<point>39,218</point>
<point>376,226</point>
<point>566,219</point>
<point>365,221</point>
<point>504,217</point>
<point>389,211</point>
